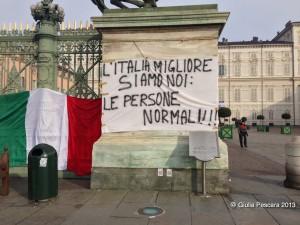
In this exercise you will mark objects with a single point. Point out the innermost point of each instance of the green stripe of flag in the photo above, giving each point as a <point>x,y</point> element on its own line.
<point>12,126</point>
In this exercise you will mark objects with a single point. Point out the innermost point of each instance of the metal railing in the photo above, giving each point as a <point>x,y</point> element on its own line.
<point>78,61</point>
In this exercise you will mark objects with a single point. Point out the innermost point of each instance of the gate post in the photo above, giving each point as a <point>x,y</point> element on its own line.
<point>48,17</point>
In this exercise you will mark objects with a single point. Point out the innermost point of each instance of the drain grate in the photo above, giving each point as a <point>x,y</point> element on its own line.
<point>150,211</point>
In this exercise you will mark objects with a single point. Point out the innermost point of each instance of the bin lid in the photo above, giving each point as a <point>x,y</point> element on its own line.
<point>42,150</point>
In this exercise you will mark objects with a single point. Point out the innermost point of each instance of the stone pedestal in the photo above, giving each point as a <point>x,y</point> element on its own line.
<point>131,160</point>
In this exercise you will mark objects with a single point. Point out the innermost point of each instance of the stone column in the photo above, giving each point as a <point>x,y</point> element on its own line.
<point>131,160</point>
<point>48,17</point>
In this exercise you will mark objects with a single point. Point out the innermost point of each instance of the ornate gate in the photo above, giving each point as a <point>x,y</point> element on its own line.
<point>77,57</point>
<point>79,63</point>
<point>17,61</point>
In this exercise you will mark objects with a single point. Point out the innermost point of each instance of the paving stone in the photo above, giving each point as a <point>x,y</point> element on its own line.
<point>177,209</point>
<point>296,199</point>
<point>126,221</point>
<point>243,215</point>
<point>103,198</point>
<point>173,198</point>
<point>284,216</point>
<point>52,214</point>
<point>210,210</point>
<point>129,210</point>
<point>90,215</point>
<point>174,215</point>
<point>141,197</point>
<point>73,197</point>
<point>98,209</point>
<point>13,215</point>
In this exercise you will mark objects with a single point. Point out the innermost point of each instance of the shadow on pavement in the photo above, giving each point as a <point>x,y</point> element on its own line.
<point>19,185</point>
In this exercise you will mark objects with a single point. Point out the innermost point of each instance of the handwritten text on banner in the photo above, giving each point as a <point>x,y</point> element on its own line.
<point>172,94</point>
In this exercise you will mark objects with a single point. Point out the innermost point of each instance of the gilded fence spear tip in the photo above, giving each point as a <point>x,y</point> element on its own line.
<point>87,25</point>
<point>75,25</point>
<point>27,26</point>
<point>15,26</point>
<point>21,27</point>
<point>80,25</point>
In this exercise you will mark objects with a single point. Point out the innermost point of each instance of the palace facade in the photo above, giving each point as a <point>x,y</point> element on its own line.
<point>262,77</point>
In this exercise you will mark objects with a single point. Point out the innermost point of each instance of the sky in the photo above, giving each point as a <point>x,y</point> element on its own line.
<point>248,18</point>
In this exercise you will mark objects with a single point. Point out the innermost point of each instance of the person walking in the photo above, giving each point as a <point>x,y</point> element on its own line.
<point>243,133</point>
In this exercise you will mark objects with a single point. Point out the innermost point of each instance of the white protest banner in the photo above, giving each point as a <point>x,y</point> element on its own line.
<point>171,94</point>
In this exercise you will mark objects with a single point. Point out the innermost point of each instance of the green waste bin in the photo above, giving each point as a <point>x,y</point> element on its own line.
<point>286,130</point>
<point>225,132</point>
<point>267,129</point>
<point>42,173</point>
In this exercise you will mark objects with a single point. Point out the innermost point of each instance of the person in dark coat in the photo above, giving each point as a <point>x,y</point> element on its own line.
<point>243,133</point>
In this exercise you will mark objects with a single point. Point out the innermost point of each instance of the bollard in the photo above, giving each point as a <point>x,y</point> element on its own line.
<point>4,172</point>
<point>293,164</point>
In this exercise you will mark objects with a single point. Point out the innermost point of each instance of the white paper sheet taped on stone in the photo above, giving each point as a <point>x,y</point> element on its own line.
<point>203,145</point>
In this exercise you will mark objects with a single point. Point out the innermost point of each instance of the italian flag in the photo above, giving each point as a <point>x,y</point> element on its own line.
<point>70,125</point>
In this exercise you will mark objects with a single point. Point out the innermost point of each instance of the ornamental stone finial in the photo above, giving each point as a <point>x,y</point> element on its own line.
<point>46,10</point>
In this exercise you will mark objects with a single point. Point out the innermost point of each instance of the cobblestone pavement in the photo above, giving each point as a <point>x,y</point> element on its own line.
<point>257,196</point>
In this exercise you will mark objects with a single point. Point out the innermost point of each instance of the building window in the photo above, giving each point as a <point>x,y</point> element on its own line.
<point>222,70</point>
<point>270,94</point>
<point>269,55</point>
<point>253,69</point>
<point>271,115</point>
<point>285,56</point>
<point>237,69</point>
<point>270,70</point>
<point>237,95</point>
<point>237,114</point>
<point>286,69</point>
<point>287,95</point>
<point>253,57</point>
<point>253,115</point>
<point>222,66</point>
<point>236,56</point>
<point>221,94</point>
<point>253,95</point>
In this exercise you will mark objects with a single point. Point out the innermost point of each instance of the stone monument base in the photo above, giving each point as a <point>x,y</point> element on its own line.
<point>131,161</point>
